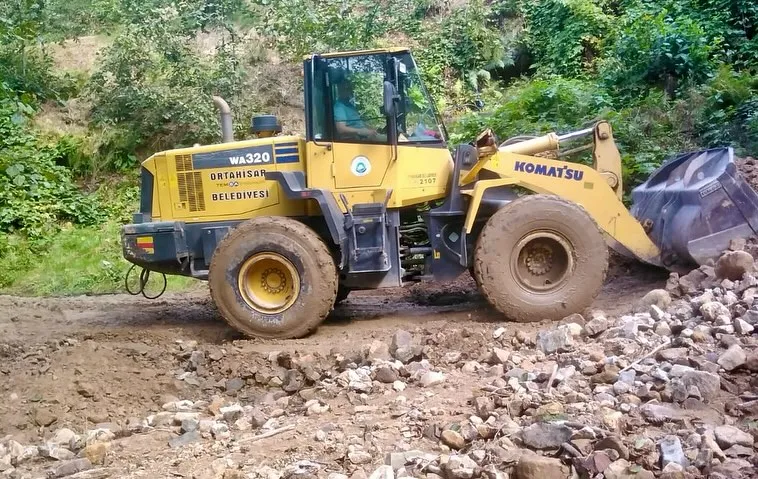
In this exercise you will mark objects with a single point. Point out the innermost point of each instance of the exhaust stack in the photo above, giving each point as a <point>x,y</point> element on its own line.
<point>225,116</point>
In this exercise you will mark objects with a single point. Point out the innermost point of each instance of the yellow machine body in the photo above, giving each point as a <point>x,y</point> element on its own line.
<point>226,181</point>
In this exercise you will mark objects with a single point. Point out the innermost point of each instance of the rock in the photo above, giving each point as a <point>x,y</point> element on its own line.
<point>545,435</point>
<point>610,418</point>
<point>86,389</point>
<point>557,340</point>
<point>713,310</point>
<point>733,265</point>
<point>621,469</point>
<point>485,406</point>
<point>657,313</point>
<point>293,381</point>
<point>453,357</point>
<point>609,375</point>
<point>533,466</point>
<point>575,329</point>
<point>460,467</point>
<point>751,315</point>
<point>359,457</point>
<point>402,347</point>
<point>184,439</point>
<point>96,452</point>
<point>452,439</point>
<point>671,451</point>
<point>737,244</point>
<point>733,469</point>
<point>595,463</point>
<point>383,472</point>
<point>657,297</point>
<point>470,367</point>
<point>257,417</point>
<point>56,452</point>
<point>673,354</point>
<point>385,375</point>
<point>63,437</point>
<point>71,467</point>
<point>220,431</point>
<point>613,442</point>
<point>708,384</point>
<point>44,417</point>
<point>232,413</point>
<point>596,325</point>
<point>190,424</point>
<point>690,283</point>
<point>672,471</point>
<point>398,386</point>
<point>732,358</point>
<point>742,327</point>
<point>431,378</point>
<point>727,436</point>
<point>378,351</point>
<point>100,434</point>
<point>234,385</point>
<point>739,451</point>
<point>498,333</point>
<point>398,459</point>
<point>663,329</point>
<point>498,356</point>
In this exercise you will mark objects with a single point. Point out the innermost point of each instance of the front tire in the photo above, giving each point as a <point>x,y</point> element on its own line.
<point>273,277</point>
<point>540,257</point>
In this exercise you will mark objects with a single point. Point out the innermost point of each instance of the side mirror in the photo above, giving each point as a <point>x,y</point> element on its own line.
<point>390,111</point>
<point>390,97</point>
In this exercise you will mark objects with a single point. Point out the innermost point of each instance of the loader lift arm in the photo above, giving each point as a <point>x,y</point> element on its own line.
<point>598,189</point>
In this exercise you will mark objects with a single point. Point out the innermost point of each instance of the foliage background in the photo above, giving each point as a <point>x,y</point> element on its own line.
<point>670,75</point>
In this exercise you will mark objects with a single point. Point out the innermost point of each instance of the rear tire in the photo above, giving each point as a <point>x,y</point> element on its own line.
<point>540,257</point>
<point>273,277</point>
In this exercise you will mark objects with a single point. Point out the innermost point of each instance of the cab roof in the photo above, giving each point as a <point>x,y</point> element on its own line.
<point>358,52</point>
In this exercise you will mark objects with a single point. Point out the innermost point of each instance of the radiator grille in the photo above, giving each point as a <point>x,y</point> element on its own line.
<point>183,163</point>
<point>191,190</point>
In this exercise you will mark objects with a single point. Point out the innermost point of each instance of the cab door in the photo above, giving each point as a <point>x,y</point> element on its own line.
<point>361,153</point>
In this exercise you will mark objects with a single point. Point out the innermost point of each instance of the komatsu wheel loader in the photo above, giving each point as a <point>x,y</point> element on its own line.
<point>283,227</point>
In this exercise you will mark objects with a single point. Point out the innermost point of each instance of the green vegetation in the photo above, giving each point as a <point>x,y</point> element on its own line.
<point>670,75</point>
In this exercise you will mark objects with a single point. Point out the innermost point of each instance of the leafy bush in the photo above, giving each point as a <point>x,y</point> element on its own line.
<point>468,42</point>
<point>152,93</point>
<point>657,51</point>
<point>534,107</point>
<point>730,113</point>
<point>565,36</point>
<point>35,192</point>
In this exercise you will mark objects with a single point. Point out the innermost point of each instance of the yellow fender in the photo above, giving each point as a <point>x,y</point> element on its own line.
<point>574,182</point>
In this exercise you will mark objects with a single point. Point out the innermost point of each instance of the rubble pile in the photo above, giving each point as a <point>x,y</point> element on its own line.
<point>668,390</point>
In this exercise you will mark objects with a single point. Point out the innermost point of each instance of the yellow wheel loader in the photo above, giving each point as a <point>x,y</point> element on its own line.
<point>283,227</point>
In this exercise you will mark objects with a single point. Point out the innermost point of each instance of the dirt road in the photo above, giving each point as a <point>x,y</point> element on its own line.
<point>82,361</point>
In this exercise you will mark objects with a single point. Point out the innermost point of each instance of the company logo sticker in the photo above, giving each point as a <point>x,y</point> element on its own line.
<point>360,166</point>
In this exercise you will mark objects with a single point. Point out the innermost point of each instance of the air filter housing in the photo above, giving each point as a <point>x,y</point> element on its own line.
<point>265,125</point>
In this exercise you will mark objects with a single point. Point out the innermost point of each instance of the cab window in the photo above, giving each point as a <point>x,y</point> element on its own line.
<point>356,86</point>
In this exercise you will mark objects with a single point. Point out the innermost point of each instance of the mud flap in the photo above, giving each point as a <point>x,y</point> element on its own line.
<point>694,204</point>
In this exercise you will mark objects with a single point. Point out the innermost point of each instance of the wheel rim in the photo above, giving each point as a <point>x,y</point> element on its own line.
<point>269,283</point>
<point>542,261</point>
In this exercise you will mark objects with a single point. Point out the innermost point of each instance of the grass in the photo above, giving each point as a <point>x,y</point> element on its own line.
<point>77,260</point>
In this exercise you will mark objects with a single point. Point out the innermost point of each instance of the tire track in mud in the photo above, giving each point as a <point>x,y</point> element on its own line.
<point>192,316</point>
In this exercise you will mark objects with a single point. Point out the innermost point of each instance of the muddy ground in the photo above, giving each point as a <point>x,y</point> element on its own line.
<point>77,362</point>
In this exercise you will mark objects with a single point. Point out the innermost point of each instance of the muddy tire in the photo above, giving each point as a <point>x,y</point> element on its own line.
<point>273,277</point>
<point>540,257</point>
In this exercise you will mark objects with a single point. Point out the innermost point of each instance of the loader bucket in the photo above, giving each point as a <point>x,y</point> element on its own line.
<point>693,205</point>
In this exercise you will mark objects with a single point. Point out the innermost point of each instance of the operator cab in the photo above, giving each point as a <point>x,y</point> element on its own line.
<point>374,97</point>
